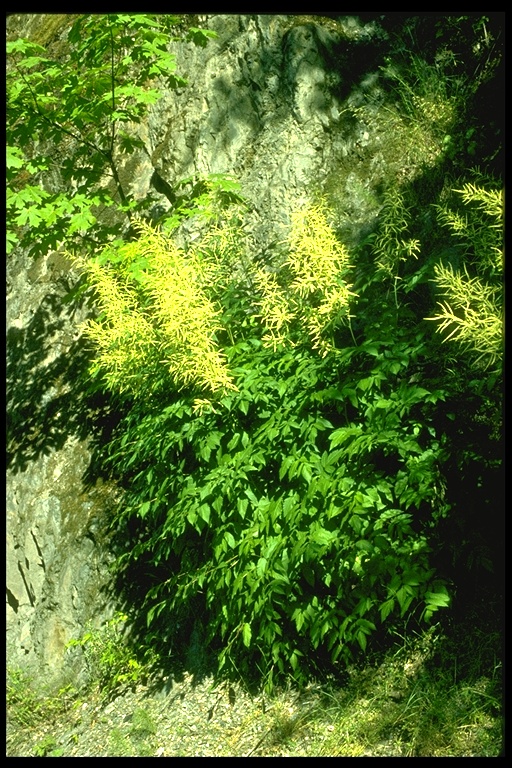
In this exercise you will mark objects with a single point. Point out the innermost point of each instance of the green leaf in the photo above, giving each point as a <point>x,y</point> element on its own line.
<point>192,516</point>
<point>298,617</point>
<point>12,239</point>
<point>81,221</point>
<point>322,536</point>
<point>404,595</point>
<point>144,509</point>
<point>23,46</point>
<point>410,578</point>
<point>31,61</point>
<point>251,496</point>
<point>365,384</point>
<point>246,634</point>
<point>201,36</point>
<point>356,523</point>
<point>242,505</point>
<point>306,473</point>
<point>361,639</point>
<point>285,465</point>
<point>339,436</point>
<point>386,608</point>
<point>30,215</point>
<point>15,157</point>
<point>439,599</point>
<point>204,512</point>
<point>352,396</point>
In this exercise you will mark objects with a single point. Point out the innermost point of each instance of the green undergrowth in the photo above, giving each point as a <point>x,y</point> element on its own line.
<point>412,704</point>
<point>433,693</point>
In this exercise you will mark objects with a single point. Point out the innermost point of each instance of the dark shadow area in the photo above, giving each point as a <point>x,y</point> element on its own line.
<point>48,395</point>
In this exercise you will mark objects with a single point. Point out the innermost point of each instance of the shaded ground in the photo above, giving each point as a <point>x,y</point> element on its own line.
<point>436,694</point>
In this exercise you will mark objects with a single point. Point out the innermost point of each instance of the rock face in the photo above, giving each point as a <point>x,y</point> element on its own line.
<point>268,102</point>
<point>57,570</point>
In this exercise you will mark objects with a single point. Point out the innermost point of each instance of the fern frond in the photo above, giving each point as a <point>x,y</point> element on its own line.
<point>472,311</point>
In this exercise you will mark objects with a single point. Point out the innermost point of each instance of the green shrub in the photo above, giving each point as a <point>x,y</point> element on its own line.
<point>48,747</point>
<point>289,429</point>
<point>291,508</point>
<point>111,664</point>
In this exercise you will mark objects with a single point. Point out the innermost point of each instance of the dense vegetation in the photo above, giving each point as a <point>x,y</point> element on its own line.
<point>310,448</point>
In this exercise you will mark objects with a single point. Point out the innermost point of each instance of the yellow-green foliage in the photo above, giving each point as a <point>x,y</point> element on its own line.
<point>274,306</point>
<point>160,305</point>
<point>124,338</point>
<point>481,227</point>
<point>472,310</point>
<point>391,247</point>
<point>155,311</point>
<point>311,289</point>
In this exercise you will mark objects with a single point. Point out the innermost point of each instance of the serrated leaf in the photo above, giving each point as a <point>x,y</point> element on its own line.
<point>339,436</point>
<point>14,157</point>
<point>306,473</point>
<point>251,496</point>
<point>28,215</point>
<point>81,221</point>
<point>298,617</point>
<point>289,504</point>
